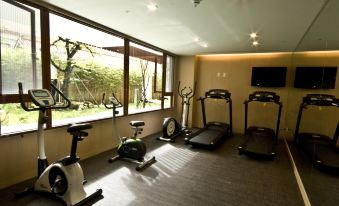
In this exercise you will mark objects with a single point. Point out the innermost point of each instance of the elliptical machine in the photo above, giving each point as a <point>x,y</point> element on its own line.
<point>63,178</point>
<point>131,148</point>
<point>171,128</point>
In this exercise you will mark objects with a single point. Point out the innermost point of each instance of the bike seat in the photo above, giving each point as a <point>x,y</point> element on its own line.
<point>137,123</point>
<point>78,127</point>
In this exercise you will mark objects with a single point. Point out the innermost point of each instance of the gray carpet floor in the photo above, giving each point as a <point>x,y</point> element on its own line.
<point>184,176</point>
<point>322,188</point>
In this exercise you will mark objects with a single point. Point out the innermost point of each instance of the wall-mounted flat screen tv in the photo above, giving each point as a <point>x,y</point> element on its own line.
<point>315,77</point>
<point>268,76</point>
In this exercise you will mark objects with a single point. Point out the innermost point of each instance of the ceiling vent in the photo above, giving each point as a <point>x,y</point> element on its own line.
<point>196,2</point>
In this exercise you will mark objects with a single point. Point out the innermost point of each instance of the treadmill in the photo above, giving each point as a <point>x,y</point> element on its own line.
<point>260,141</point>
<point>212,132</point>
<point>321,149</point>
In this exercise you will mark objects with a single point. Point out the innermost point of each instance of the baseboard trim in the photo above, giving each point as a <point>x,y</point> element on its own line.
<point>297,177</point>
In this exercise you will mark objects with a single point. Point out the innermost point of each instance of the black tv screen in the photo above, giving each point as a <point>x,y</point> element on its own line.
<point>315,77</point>
<point>268,76</point>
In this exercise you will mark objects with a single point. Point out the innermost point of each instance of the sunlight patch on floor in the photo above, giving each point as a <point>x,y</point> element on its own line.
<point>171,159</point>
<point>120,184</point>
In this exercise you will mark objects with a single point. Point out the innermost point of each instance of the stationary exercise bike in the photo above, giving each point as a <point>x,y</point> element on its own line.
<point>131,148</point>
<point>170,127</point>
<point>63,178</point>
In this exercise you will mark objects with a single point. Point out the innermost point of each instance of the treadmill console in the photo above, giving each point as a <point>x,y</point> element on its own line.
<point>41,97</point>
<point>321,100</point>
<point>218,94</point>
<point>263,96</point>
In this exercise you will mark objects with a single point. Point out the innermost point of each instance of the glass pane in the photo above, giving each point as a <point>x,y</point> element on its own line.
<point>20,47</point>
<point>158,78</point>
<point>93,66</point>
<point>14,119</point>
<point>169,74</point>
<point>167,102</point>
<point>142,96</point>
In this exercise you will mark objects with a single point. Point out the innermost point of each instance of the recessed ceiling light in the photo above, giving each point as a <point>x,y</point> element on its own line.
<point>152,7</point>
<point>205,45</point>
<point>196,39</point>
<point>255,43</point>
<point>253,35</point>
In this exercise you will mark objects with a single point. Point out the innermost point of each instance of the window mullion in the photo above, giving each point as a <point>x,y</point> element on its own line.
<point>163,80</point>
<point>126,76</point>
<point>46,57</point>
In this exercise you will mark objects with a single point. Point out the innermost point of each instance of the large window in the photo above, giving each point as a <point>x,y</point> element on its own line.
<point>20,62</point>
<point>84,65</point>
<point>144,93</point>
<point>83,60</point>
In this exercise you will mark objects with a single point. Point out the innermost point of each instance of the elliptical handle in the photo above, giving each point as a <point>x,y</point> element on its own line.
<point>22,102</point>
<point>180,91</point>
<point>68,102</point>
<point>194,88</point>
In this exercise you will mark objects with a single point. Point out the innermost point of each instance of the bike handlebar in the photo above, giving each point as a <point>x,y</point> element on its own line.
<point>115,103</point>
<point>23,105</point>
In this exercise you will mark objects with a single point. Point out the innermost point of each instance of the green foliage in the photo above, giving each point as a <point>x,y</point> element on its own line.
<point>97,79</point>
<point>16,66</point>
<point>62,114</point>
<point>92,76</point>
<point>15,115</point>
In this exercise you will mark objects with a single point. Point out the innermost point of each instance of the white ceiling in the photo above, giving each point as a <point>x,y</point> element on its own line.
<point>224,25</point>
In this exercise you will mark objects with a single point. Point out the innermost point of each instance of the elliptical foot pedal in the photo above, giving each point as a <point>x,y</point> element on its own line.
<point>113,159</point>
<point>90,197</point>
<point>166,139</point>
<point>145,164</point>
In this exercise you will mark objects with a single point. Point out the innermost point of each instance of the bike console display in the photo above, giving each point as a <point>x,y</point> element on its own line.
<point>41,97</point>
<point>114,101</point>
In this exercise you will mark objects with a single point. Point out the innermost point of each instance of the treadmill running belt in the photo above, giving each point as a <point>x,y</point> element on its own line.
<point>209,136</point>
<point>325,153</point>
<point>259,143</point>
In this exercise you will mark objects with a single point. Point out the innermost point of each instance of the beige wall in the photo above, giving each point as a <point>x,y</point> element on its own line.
<point>233,72</point>
<point>18,154</point>
<point>186,75</point>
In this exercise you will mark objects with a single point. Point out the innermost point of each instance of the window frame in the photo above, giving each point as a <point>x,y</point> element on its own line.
<point>164,81</point>
<point>14,98</point>
<point>45,10</point>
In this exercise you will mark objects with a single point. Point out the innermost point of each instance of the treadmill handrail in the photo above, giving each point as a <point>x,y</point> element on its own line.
<point>264,96</point>
<point>217,94</point>
<point>274,100</point>
<point>228,100</point>
<point>321,100</point>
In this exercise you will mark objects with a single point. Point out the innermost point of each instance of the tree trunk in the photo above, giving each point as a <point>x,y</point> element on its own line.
<point>67,79</point>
